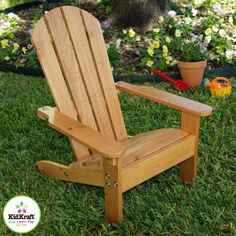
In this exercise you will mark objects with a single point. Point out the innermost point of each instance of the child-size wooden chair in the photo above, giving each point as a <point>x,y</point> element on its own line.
<point>72,53</point>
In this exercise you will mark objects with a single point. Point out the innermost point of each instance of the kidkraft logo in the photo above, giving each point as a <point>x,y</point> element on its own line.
<point>21,214</point>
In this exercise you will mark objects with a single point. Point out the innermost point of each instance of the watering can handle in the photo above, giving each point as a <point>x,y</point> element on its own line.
<point>221,79</point>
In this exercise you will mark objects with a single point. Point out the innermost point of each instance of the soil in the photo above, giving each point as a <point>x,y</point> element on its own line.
<point>130,56</point>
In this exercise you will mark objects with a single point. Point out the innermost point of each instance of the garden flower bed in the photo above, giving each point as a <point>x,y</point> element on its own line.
<point>212,22</point>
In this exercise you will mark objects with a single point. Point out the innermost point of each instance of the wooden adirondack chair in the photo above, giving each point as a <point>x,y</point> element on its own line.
<point>72,53</point>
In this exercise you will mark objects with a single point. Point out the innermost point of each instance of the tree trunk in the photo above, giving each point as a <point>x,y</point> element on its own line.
<point>137,13</point>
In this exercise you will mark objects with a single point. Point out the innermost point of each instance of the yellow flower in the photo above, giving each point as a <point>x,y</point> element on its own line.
<point>150,51</point>
<point>215,28</point>
<point>231,21</point>
<point>156,44</point>
<point>174,62</point>
<point>168,40</point>
<point>221,20</point>
<point>149,63</point>
<point>7,58</point>
<point>138,38</point>
<point>24,50</point>
<point>169,58</point>
<point>16,46</point>
<point>208,31</point>
<point>165,49</point>
<point>177,33</point>
<point>156,30</point>
<point>4,43</point>
<point>161,19</point>
<point>124,31</point>
<point>131,33</point>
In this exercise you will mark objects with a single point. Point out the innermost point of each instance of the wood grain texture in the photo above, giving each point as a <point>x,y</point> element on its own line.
<point>88,69</point>
<point>188,168</point>
<point>51,67</point>
<point>144,169</point>
<point>100,57</point>
<point>165,98</point>
<point>145,144</point>
<point>72,53</point>
<point>70,67</point>
<point>113,191</point>
<point>72,173</point>
<point>142,145</point>
<point>85,135</point>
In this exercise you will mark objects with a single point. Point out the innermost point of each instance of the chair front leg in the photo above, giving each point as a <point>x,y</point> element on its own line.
<point>188,168</point>
<point>113,190</point>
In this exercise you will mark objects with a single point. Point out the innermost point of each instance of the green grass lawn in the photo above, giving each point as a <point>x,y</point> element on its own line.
<point>160,206</point>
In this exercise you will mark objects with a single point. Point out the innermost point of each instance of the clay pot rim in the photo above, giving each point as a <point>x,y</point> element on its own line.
<point>193,64</point>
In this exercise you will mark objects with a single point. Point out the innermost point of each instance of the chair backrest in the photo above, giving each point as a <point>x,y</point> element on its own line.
<point>71,50</point>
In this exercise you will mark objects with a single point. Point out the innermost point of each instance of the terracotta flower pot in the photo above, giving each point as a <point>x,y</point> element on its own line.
<point>192,72</point>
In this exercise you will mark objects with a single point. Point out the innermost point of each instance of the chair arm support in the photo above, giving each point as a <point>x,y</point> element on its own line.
<point>165,98</point>
<point>81,133</point>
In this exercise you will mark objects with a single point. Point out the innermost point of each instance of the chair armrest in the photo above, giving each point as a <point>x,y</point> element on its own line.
<point>83,134</point>
<point>165,98</point>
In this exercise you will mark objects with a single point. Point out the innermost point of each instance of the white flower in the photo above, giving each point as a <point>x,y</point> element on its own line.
<point>198,2</point>
<point>194,37</point>
<point>194,11</point>
<point>188,20</point>
<point>217,7</point>
<point>5,25</point>
<point>118,42</point>
<point>200,37</point>
<point>229,38</point>
<point>12,15</point>
<point>177,33</point>
<point>234,36</point>
<point>222,33</point>
<point>229,54</point>
<point>172,14</point>
<point>106,24</point>
<point>207,39</point>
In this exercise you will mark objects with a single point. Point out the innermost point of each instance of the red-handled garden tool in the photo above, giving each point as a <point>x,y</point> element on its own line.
<point>178,84</point>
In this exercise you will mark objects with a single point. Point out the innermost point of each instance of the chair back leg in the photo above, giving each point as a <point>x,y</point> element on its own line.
<point>188,168</point>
